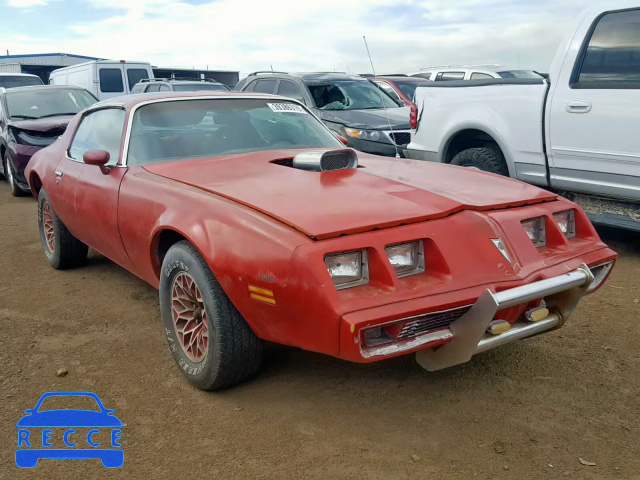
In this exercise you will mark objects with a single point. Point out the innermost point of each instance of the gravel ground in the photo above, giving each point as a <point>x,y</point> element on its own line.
<point>528,410</point>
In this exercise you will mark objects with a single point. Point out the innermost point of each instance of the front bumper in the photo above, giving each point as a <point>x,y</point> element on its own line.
<point>462,331</point>
<point>19,156</point>
<point>375,148</point>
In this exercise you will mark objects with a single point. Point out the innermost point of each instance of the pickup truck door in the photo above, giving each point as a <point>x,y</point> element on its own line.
<point>94,216</point>
<point>593,127</point>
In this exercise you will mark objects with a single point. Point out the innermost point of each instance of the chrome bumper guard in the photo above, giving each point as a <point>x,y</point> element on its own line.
<point>561,295</point>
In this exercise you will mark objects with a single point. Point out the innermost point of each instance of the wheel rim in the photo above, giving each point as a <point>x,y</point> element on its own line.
<point>47,225</point>
<point>189,317</point>
<point>9,171</point>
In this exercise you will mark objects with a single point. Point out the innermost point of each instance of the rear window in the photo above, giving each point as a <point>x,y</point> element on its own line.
<point>195,87</point>
<point>134,75</point>
<point>111,80</point>
<point>188,129</point>
<point>12,81</point>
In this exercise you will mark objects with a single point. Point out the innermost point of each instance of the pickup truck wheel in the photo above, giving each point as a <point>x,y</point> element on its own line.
<point>62,249</point>
<point>483,158</point>
<point>211,343</point>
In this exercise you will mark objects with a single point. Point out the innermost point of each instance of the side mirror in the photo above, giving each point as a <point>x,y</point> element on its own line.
<point>99,158</point>
<point>343,140</point>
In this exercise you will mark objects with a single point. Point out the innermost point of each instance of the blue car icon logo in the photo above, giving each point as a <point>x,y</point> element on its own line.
<point>69,433</point>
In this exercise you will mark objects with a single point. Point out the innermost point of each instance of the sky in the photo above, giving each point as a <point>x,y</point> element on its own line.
<point>302,35</point>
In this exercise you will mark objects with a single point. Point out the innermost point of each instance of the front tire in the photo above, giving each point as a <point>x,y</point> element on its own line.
<point>211,343</point>
<point>62,249</point>
<point>488,159</point>
<point>10,175</point>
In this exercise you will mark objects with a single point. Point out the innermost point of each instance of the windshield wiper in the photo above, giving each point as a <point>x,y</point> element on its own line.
<point>57,114</point>
<point>24,117</point>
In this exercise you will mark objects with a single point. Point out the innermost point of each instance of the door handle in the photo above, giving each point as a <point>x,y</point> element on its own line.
<point>578,106</point>
<point>59,175</point>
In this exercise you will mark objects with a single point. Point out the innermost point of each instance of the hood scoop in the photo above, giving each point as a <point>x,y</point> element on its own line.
<point>324,160</point>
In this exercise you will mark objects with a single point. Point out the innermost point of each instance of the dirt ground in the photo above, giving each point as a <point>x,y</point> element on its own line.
<point>528,410</point>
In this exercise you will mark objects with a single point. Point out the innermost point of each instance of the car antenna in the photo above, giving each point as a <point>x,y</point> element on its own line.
<point>393,140</point>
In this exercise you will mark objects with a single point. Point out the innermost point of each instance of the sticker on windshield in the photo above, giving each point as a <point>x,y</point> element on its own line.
<point>286,108</point>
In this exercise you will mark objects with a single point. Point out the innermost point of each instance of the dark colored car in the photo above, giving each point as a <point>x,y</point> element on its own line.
<point>350,105</point>
<point>32,118</point>
<point>401,88</point>
<point>155,85</point>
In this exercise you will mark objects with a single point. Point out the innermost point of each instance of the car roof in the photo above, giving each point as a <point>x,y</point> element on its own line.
<point>44,87</point>
<point>130,101</point>
<point>308,77</point>
<point>395,78</point>
<point>7,74</point>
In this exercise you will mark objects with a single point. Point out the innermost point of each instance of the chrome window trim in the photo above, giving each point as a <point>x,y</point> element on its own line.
<point>134,109</point>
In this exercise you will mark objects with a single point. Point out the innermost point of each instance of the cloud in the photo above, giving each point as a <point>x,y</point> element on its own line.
<point>254,35</point>
<point>25,3</point>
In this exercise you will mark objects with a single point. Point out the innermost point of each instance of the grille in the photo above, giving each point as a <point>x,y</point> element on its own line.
<point>334,161</point>
<point>431,321</point>
<point>400,138</point>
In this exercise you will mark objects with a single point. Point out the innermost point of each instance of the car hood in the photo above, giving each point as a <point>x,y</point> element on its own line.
<point>43,124</point>
<point>69,418</point>
<point>382,193</point>
<point>378,119</point>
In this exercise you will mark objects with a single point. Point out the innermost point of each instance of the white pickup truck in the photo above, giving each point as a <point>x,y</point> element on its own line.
<point>577,132</point>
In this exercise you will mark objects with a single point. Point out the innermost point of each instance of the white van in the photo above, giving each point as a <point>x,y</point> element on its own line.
<point>103,78</point>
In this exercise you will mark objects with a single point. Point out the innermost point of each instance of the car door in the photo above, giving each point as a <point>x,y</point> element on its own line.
<point>593,127</point>
<point>94,210</point>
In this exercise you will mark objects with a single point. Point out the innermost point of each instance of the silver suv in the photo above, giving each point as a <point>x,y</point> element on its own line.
<point>472,72</point>
<point>152,85</point>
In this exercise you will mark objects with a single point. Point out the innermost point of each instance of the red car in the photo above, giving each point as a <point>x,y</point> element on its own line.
<point>400,88</point>
<point>256,223</point>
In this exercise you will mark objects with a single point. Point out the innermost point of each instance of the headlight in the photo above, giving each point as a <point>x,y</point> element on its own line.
<point>406,258</point>
<point>566,222</point>
<point>535,229</point>
<point>372,135</point>
<point>36,141</point>
<point>348,269</point>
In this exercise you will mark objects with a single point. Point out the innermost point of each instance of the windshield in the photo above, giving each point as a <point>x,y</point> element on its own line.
<point>350,95</point>
<point>12,81</point>
<point>47,102</point>
<point>65,402</point>
<point>195,87</point>
<point>519,74</point>
<point>187,129</point>
<point>409,88</point>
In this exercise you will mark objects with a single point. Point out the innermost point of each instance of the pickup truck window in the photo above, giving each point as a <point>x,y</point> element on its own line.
<point>445,76</point>
<point>612,57</point>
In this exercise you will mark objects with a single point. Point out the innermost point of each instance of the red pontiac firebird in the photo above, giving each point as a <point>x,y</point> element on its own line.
<point>256,224</point>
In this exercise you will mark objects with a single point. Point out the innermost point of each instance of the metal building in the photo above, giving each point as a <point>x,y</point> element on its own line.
<point>41,64</point>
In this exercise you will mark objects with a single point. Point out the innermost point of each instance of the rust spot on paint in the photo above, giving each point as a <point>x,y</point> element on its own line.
<point>266,277</point>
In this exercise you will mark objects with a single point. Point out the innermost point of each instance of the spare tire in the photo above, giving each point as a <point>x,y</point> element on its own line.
<point>488,159</point>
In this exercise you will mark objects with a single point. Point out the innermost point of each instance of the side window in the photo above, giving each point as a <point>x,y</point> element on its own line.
<point>613,53</point>
<point>99,130</point>
<point>111,80</point>
<point>134,75</point>
<point>480,76</point>
<point>446,76</point>
<point>153,87</point>
<point>388,90</point>
<point>164,88</point>
<point>265,86</point>
<point>289,89</point>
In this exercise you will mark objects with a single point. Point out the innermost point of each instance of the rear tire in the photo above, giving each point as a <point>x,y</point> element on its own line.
<point>488,159</point>
<point>221,350</point>
<point>62,249</point>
